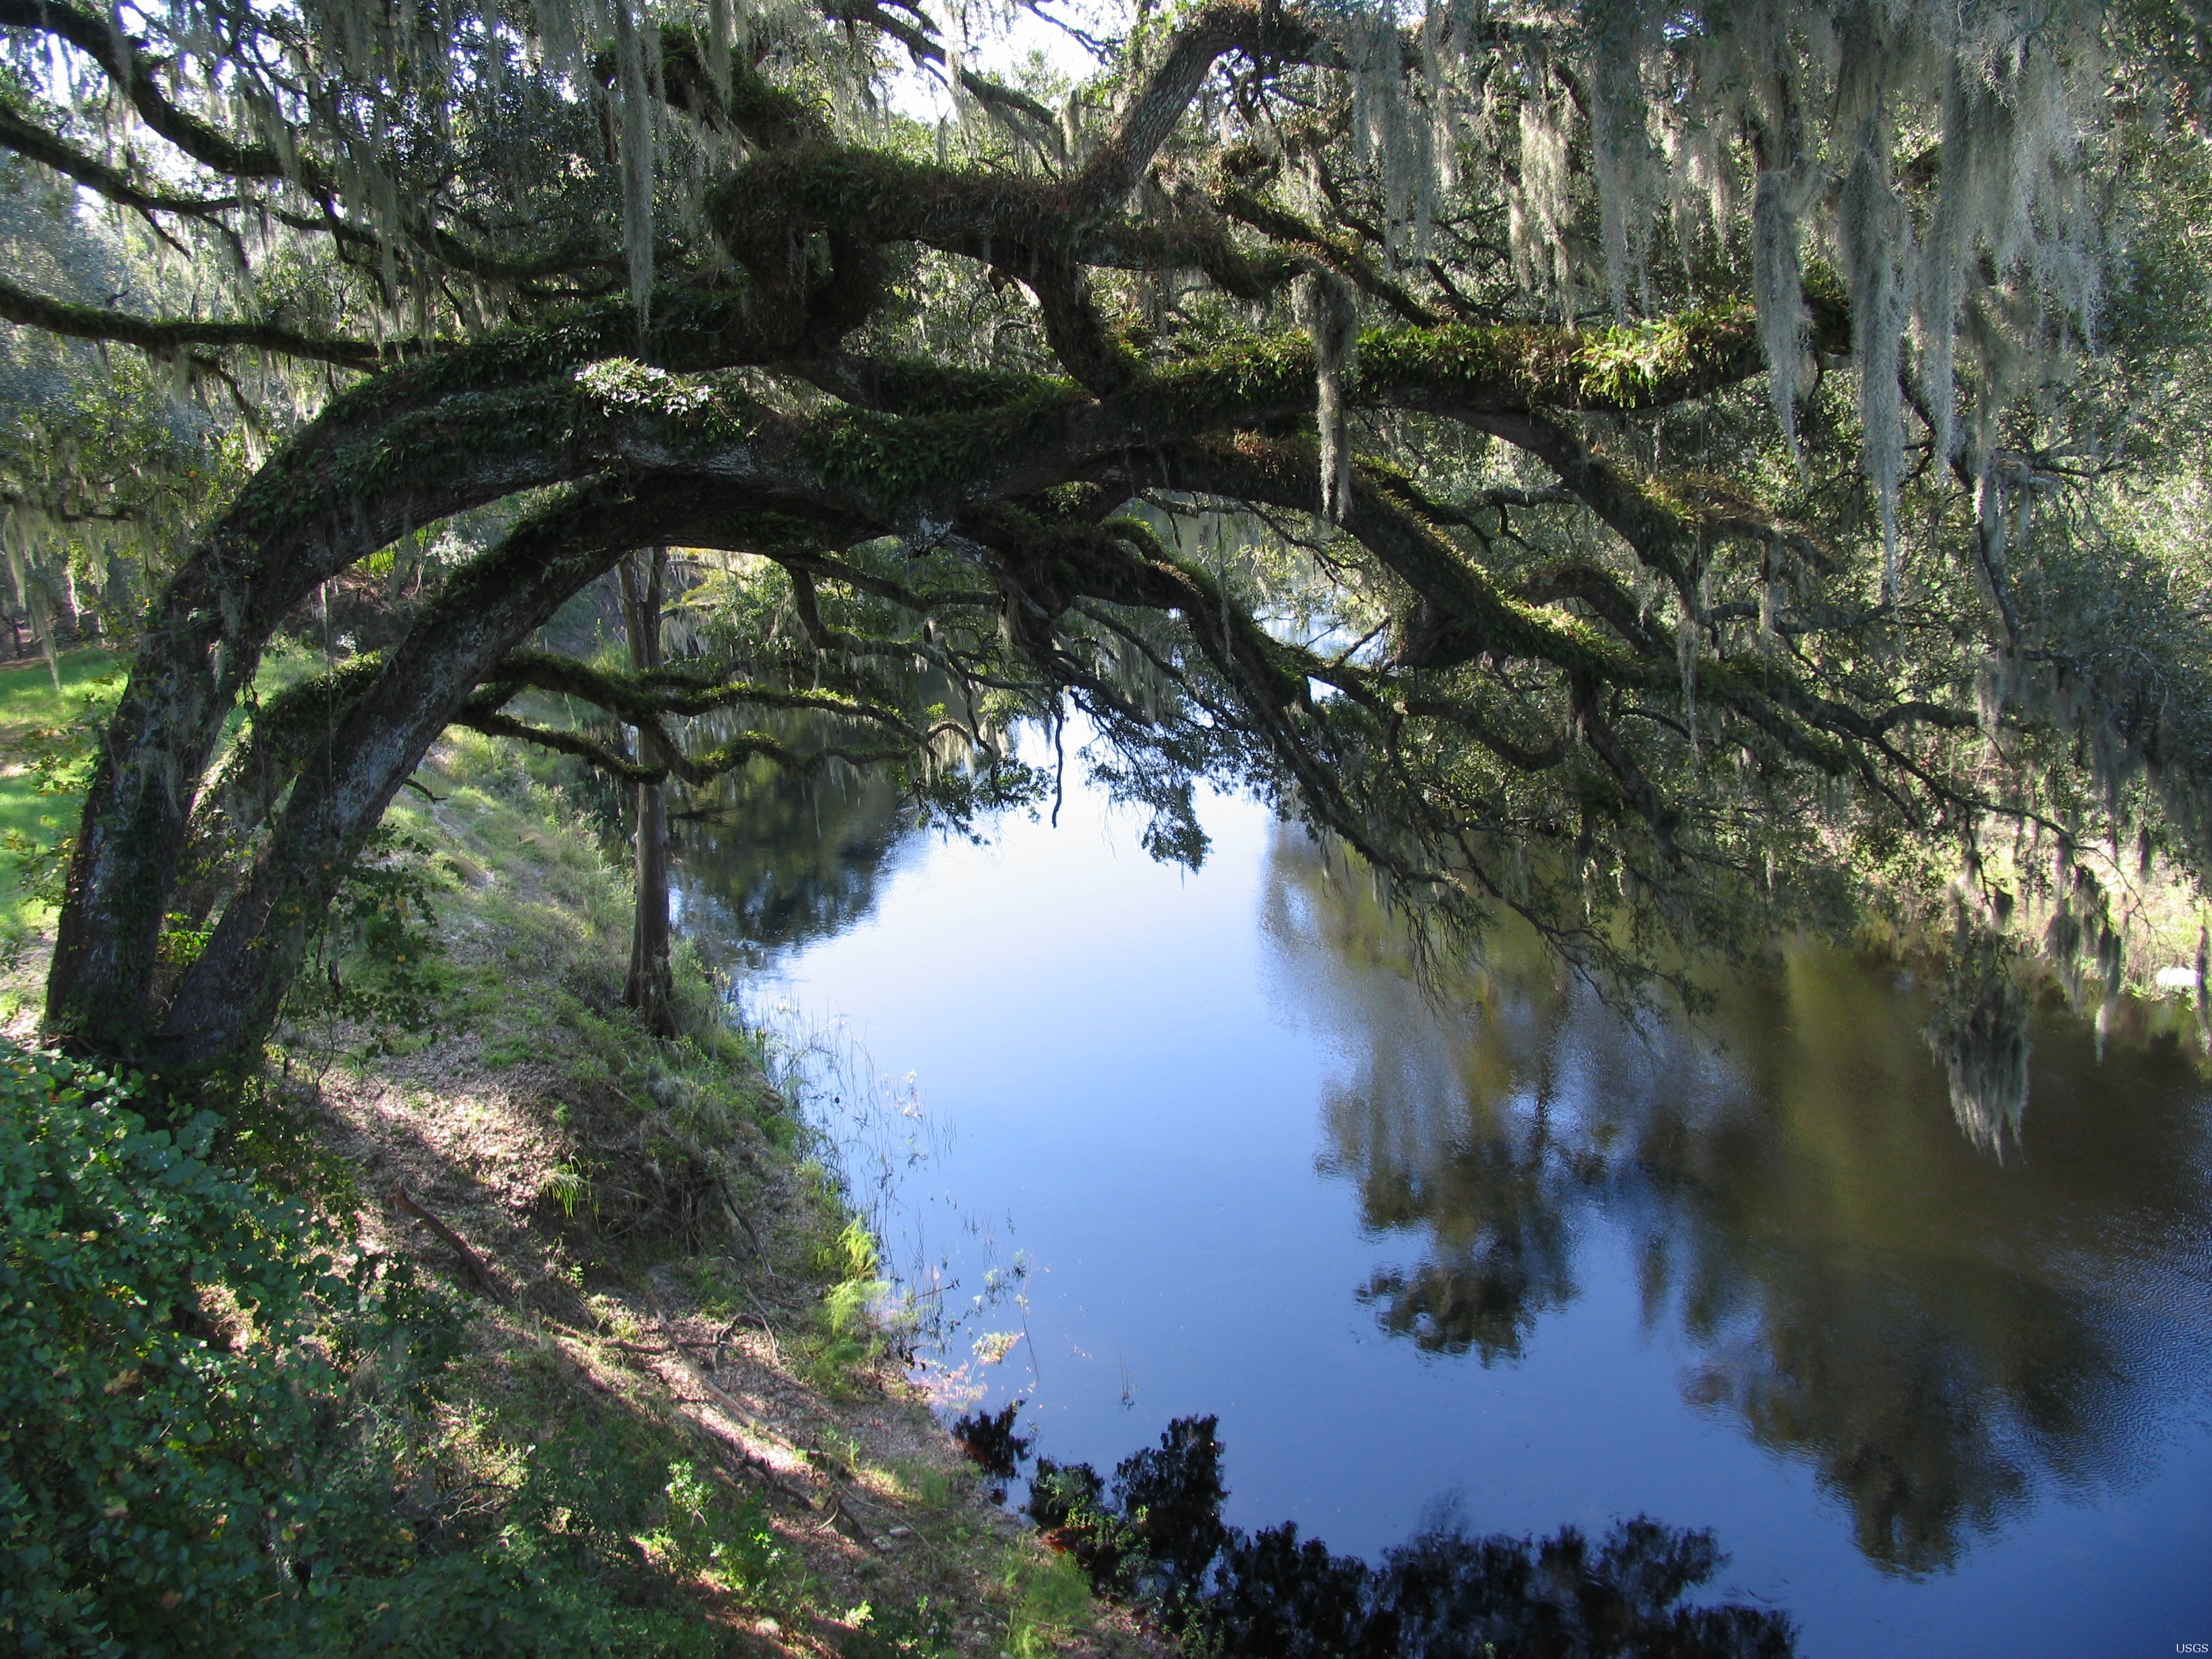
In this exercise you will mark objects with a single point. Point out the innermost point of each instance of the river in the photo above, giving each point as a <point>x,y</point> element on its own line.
<point>1513,1260</point>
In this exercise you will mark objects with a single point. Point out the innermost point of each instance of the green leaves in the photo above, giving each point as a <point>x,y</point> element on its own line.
<point>195,1414</point>
<point>154,1369</point>
<point>378,961</point>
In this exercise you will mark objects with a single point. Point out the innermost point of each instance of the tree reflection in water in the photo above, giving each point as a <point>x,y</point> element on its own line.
<point>1943,1337</point>
<point>771,861</point>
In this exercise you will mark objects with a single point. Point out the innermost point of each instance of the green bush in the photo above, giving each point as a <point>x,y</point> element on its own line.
<point>202,1424</point>
<point>731,1540</point>
<point>925,1631</point>
<point>503,1602</point>
<point>158,1386</point>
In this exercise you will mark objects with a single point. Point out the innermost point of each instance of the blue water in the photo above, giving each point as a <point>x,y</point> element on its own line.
<point>1748,1277</point>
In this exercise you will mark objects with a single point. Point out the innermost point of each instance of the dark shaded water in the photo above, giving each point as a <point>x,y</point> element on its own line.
<point>1518,1264</point>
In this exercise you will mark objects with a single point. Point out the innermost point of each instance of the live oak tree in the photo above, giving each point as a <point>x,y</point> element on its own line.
<point>1669,473</point>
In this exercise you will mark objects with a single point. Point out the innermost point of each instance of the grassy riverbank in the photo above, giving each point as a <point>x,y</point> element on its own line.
<point>675,1284</point>
<point>624,1395</point>
<point>658,1379</point>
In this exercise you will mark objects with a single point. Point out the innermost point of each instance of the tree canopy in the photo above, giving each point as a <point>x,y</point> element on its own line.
<point>1666,472</point>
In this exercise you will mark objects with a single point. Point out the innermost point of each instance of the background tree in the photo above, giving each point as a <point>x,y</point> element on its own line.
<point>647,989</point>
<point>105,460</point>
<point>1655,472</point>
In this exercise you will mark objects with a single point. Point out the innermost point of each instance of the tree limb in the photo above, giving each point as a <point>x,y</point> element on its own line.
<point>166,339</point>
<point>26,138</point>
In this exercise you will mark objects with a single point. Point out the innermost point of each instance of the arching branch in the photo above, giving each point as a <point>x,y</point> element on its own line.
<point>641,699</point>
<point>166,338</point>
<point>27,139</point>
<point>232,811</point>
<point>739,752</point>
<point>481,713</point>
<point>230,994</point>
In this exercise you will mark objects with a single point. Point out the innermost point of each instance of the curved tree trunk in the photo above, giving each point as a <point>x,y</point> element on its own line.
<point>229,998</point>
<point>402,450</point>
<point>649,989</point>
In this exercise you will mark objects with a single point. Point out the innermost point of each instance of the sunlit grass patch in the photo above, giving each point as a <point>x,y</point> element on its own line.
<point>1051,1602</point>
<point>45,745</point>
<point>931,1486</point>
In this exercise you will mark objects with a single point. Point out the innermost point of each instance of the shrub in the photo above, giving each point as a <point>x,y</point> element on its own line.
<point>510,1601</point>
<point>709,1532</point>
<point>201,1426</point>
<point>158,1387</point>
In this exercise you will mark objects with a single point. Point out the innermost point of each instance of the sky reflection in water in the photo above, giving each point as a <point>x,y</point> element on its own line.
<point>1519,1261</point>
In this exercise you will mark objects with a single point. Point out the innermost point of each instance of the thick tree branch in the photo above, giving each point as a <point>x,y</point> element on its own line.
<point>26,138</point>
<point>639,699</point>
<point>229,996</point>
<point>166,338</point>
<point>752,746</point>
<point>1262,31</point>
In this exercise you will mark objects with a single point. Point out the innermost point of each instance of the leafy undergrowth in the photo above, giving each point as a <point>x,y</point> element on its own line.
<point>522,1334</point>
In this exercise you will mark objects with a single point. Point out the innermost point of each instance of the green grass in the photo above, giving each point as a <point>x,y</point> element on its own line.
<point>31,709</point>
<point>29,706</point>
<point>27,690</point>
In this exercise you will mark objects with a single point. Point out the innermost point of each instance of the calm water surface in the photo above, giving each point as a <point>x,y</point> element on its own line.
<point>1518,1263</point>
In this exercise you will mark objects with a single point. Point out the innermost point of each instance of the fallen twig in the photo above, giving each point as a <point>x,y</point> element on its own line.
<point>759,1316</point>
<point>631,1347</point>
<point>478,1270</point>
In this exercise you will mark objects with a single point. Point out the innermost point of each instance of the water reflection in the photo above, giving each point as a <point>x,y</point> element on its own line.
<point>1944,1340</point>
<point>768,862</point>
